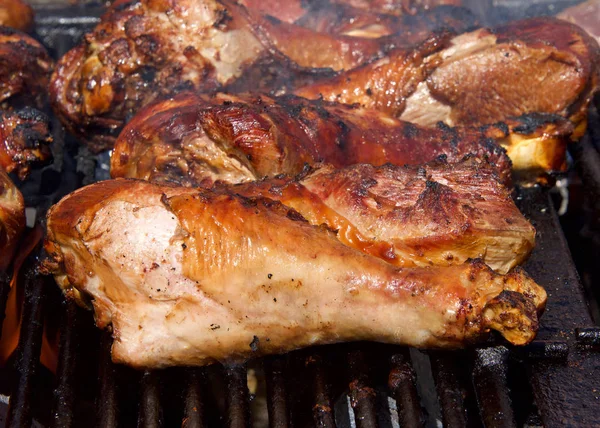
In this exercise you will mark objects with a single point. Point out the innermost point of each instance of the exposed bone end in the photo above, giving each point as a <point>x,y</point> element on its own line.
<point>513,315</point>
<point>518,281</point>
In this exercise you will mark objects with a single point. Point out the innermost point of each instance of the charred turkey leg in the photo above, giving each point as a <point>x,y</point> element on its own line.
<point>188,277</point>
<point>195,139</point>
<point>25,136</point>
<point>540,65</point>
<point>144,50</point>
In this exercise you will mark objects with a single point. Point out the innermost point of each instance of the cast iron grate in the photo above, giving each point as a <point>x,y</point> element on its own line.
<point>551,382</point>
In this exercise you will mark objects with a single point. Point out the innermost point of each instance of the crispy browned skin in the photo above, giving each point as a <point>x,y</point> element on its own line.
<point>142,50</point>
<point>384,84</point>
<point>189,277</point>
<point>16,14</point>
<point>195,139</point>
<point>334,37</point>
<point>436,214</point>
<point>25,136</point>
<point>25,68</point>
<point>540,65</point>
<point>12,219</point>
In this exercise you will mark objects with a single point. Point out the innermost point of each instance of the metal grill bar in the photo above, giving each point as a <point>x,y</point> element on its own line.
<point>588,336</point>
<point>402,385</point>
<point>566,311</point>
<point>362,395</point>
<point>489,379</point>
<point>28,350</point>
<point>150,412</point>
<point>149,415</point>
<point>545,349</point>
<point>323,408</point>
<point>193,412</point>
<point>449,389</point>
<point>276,394</point>
<point>107,413</point>
<point>238,410</point>
<point>64,395</point>
<point>587,159</point>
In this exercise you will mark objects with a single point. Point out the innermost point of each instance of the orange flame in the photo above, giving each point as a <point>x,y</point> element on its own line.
<point>11,327</point>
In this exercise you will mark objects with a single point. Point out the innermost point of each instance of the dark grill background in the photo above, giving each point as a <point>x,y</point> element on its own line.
<point>555,381</point>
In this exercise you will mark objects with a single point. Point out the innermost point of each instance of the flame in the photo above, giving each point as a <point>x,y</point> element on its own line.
<point>11,327</point>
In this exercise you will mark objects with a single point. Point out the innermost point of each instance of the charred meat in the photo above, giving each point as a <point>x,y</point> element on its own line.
<point>540,65</point>
<point>144,50</point>
<point>196,139</point>
<point>140,51</point>
<point>25,136</point>
<point>189,277</point>
<point>25,69</point>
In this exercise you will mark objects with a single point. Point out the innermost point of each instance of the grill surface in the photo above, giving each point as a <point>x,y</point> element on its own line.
<point>552,382</point>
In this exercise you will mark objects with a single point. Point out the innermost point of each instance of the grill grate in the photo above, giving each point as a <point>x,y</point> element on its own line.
<point>489,379</point>
<point>451,394</point>
<point>403,388</point>
<point>28,351</point>
<point>64,395</point>
<point>193,413</point>
<point>107,401</point>
<point>362,385</point>
<point>276,396</point>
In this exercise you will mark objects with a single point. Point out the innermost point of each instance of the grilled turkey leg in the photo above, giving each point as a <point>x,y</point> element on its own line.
<point>539,65</point>
<point>142,50</point>
<point>197,139</point>
<point>25,136</point>
<point>192,276</point>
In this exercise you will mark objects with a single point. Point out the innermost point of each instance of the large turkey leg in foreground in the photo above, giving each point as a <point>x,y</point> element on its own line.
<point>188,277</point>
<point>436,214</point>
<point>197,139</point>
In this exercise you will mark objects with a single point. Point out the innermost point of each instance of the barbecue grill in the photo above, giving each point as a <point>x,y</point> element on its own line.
<point>554,381</point>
